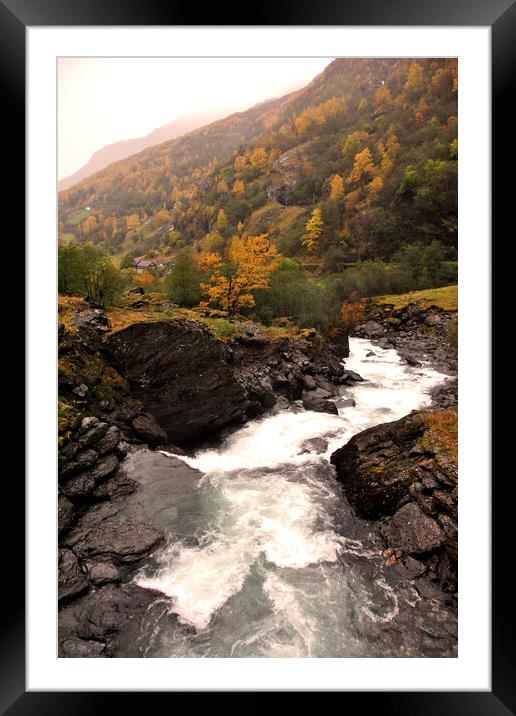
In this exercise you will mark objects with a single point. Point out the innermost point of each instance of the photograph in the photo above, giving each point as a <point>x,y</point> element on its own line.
<point>257,323</point>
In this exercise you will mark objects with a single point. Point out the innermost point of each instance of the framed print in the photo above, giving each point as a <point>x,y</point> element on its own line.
<point>259,449</point>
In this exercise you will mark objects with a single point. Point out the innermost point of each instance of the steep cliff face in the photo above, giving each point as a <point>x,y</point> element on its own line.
<point>404,473</point>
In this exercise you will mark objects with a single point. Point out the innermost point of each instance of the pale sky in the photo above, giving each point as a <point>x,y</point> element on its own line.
<point>104,100</point>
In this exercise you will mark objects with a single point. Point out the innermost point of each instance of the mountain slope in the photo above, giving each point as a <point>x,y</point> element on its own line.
<point>125,148</point>
<point>370,143</point>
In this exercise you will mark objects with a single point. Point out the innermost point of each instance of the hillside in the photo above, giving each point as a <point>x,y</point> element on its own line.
<point>370,143</point>
<point>125,148</point>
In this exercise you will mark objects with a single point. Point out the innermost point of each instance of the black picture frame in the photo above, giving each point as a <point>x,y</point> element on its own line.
<point>500,15</point>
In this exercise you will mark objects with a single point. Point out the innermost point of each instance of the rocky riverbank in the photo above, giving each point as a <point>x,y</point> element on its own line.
<point>418,334</point>
<point>165,382</point>
<point>403,475</point>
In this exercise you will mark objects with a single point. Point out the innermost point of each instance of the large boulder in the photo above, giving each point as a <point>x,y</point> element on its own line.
<point>377,466</point>
<point>412,531</point>
<point>181,373</point>
<point>404,473</point>
<point>108,619</point>
<point>319,405</point>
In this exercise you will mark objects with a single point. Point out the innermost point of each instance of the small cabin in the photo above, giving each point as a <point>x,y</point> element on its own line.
<point>141,264</point>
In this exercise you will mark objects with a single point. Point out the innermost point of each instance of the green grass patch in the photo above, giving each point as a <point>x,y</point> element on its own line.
<point>77,217</point>
<point>445,298</point>
<point>66,238</point>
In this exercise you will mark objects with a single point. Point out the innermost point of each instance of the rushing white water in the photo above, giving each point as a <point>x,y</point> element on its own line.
<point>271,569</point>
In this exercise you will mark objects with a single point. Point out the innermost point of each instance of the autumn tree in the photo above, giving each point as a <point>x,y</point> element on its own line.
<point>144,278</point>
<point>222,221</point>
<point>222,187</point>
<point>89,225</point>
<point>132,222</point>
<point>353,311</point>
<point>230,284</point>
<point>337,188</point>
<point>238,187</point>
<point>160,217</point>
<point>382,96</point>
<point>415,76</point>
<point>363,165</point>
<point>313,230</point>
<point>259,158</point>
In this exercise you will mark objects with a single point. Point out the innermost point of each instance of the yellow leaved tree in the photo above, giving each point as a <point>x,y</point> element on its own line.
<point>229,284</point>
<point>337,188</point>
<point>313,230</point>
<point>363,165</point>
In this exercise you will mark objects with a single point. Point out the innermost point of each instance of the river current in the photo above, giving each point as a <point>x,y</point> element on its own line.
<point>264,557</point>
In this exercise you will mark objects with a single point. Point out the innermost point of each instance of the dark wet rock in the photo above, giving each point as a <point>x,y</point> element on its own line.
<point>91,431</point>
<point>91,321</point>
<point>376,468</point>
<point>115,487</point>
<point>102,572</point>
<point>410,359</point>
<point>445,395</point>
<point>75,648</point>
<point>373,329</point>
<point>79,486</point>
<point>119,541</point>
<point>347,403</point>
<point>72,580</point>
<point>113,616</point>
<point>405,474</point>
<point>349,377</point>
<point>82,460</point>
<point>180,372</point>
<point>413,531</point>
<point>339,343</point>
<point>109,441</point>
<point>65,514</point>
<point>448,526</point>
<point>104,467</point>
<point>324,384</point>
<point>317,445</point>
<point>309,382</point>
<point>410,568</point>
<point>320,405</point>
<point>146,427</point>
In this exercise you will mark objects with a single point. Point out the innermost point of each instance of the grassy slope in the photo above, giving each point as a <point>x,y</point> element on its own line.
<point>445,298</point>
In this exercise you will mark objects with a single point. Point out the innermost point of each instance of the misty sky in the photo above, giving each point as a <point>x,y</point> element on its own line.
<point>103,100</point>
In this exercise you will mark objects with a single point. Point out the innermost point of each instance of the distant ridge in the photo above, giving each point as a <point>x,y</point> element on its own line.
<point>125,148</point>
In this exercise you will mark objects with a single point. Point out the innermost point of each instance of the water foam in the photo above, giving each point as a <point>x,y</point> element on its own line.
<point>271,504</point>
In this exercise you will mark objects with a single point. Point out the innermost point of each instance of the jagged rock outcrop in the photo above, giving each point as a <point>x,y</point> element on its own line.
<point>404,473</point>
<point>193,384</point>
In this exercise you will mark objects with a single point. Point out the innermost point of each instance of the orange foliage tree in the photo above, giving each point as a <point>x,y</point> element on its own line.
<point>353,311</point>
<point>229,284</point>
<point>337,188</point>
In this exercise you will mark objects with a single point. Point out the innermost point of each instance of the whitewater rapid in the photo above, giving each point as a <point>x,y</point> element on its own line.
<point>274,563</point>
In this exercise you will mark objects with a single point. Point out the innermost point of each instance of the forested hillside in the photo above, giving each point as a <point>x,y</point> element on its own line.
<point>352,180</point>
<point>371,143</point>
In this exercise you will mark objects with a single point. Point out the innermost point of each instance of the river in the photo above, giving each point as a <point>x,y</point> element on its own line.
<point>264,558</point>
